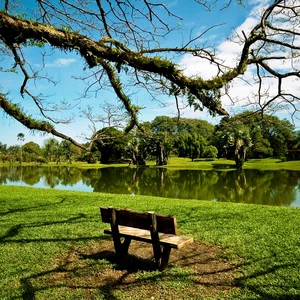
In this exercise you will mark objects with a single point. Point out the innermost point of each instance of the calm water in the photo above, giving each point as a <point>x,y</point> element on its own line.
<point>280,188</point>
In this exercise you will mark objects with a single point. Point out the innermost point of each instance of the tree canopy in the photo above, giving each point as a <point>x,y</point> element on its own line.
<point>122,44</point>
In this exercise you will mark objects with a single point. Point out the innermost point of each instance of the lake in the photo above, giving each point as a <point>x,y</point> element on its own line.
<point>281,187</point>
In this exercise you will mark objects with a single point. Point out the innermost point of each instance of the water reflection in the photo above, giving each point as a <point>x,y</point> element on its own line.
<point>245,186</point>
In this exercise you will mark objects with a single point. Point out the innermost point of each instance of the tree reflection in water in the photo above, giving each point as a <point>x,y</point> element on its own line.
<point>244,186</point>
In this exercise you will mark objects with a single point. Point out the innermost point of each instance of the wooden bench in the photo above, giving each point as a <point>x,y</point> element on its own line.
<point>149,227</point>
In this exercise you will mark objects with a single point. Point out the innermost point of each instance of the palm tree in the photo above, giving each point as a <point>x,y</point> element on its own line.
<point>21,138</point>
<point>238,140</point>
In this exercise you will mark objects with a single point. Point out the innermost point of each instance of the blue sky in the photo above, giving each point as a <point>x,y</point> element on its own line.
<point>63,66</point>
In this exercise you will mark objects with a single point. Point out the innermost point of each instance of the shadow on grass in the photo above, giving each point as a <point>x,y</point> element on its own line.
<point>223,166</point>
<point>88,269</point>
<point>26,209</point>
<point>286,289</point>
<point>195,270</point>
<point>15,230</point>
<point>203,160</point>
<point>96,273</point>
<point>131,263</point>
<point>273,276</point>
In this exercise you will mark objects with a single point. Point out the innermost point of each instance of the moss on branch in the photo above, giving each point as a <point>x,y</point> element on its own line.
<point>13,30</point>
<point>16,112</point>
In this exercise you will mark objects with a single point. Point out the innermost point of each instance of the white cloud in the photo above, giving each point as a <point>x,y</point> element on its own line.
<point>244,90</point>
<point>227,51</point>
<point>61,62</point>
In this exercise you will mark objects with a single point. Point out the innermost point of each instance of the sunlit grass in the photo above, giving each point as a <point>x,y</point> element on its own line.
<point>209,164</point>
<point>39,227</point>
<point>186,163</point>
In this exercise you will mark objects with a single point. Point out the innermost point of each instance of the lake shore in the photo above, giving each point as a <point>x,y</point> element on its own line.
<point>188,164</point>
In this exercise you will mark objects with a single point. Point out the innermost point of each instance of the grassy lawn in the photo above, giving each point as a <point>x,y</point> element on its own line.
<point>52,248</point>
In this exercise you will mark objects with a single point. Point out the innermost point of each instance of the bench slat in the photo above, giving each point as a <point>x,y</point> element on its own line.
<point>173,241</point>
<point>165,224</point>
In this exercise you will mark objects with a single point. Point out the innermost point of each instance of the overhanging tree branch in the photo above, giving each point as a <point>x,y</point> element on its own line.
<point>13,30</point>
<point>114,44</point>
<point>15,111</point>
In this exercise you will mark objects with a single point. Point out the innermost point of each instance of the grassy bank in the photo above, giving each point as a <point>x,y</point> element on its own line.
<point>42,231</point>
<point>187,163</point>
<point>261,164</point>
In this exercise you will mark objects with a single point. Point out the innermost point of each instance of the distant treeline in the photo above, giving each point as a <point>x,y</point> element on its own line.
<point>251,134</point>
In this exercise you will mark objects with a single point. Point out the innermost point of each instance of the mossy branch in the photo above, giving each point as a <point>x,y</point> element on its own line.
<point>13,30</point>
<point>117,86</point>
<point>16,112</point>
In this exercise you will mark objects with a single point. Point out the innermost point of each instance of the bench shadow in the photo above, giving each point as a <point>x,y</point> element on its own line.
<point>131,263</point>
<point>95,269</point>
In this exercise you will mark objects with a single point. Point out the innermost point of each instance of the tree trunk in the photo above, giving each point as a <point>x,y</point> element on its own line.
<point>240,156</point>
<point>161,158</point>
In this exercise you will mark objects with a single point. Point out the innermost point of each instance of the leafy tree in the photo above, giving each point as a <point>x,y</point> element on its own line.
<point>12,153</point>
<point>201,127</point>
<point>31,151</point>
<point>3,148</point>
<point>91,157</point>
<point>66,150</point>
<point>51,149</point>
<point>261,147</point>
<point>191,145</point>
<point>114,146</point>
<point>21,137</point>
<point>280,134</point>
<point>164,130</point>
<point>13,149</point>
<point>269,135</point>
<point>210,152</point>
<point>296,144</point>
<point>137,154</point>
<point>141,146</point>
<point>123,48</point>
<point>3,152</point>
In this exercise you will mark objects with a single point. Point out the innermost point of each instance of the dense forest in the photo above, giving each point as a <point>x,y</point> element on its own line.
<point>247,135</point>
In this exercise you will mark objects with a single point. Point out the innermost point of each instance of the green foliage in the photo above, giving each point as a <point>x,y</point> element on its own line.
<point>269,134</point>
<point>31,152</point>
<point>21,137</point>
<point>112,145</point>
<point>91,157</point>
<point>247,135</point>
<point>32,43</point>
<point>3,148</point>
<point>51,149</point>
<point>21,16</point>
<point>191,145</point>
<point>66,150</point>
<point>17,112</point>
<point>186,137</point>
<point>210,152</point>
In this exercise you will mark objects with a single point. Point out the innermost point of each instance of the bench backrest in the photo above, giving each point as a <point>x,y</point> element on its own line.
<point>141,220</point>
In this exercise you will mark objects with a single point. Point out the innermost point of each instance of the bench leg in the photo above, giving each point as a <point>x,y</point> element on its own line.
<point>121,248</point>
<point>165,258</point>
<point>125,245</point>
<point>157,254</point>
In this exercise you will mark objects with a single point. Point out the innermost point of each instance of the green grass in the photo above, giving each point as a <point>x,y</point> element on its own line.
<point>261,164</point>
<point>39,227</point>
<point>187,163</point>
